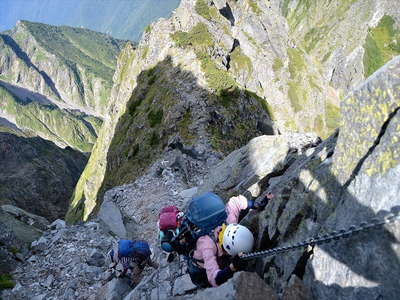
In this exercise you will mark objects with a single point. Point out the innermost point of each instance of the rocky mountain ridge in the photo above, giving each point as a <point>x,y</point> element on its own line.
<point>196,107</point>
<point>232,51</point>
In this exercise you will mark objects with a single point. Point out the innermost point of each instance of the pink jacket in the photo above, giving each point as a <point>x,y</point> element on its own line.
<point>207,250</point>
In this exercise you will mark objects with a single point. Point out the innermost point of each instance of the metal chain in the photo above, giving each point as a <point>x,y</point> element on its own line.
<point>334,235</point>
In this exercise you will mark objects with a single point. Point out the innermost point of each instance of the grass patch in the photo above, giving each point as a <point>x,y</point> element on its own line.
<point>14,250</point>
<point>318,124</point>
<point>217,79</point>
<point>290,125</point>
<point>154,139</point>
<point>313,36</point>
<point>197,37</point>
<point>134,104</point>
<point>326,56</point>
<point>226,96</point>
<point>183,127</point>
<point>251,40</point>
<point>296,62</point>
<point>200,40</point>
<point>6,282</point>
<point>202,9</point>
<point>277,65</point>
<point>155,117</point>
<point>147,29</point>
<point>264,104</point>
<point>145,52</point>
<point>254,7</point>
<point>240,61</point>
<point>297,96</point>
<point>381,45</point>
<point>332,116</point>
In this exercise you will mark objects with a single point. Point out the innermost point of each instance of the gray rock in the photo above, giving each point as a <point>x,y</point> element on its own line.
<point>91,270</point>
<point>183,285</point>
<point>243,286</point>
<point>96,258</point>
<point>40,245</point>
<point>295,290</point>
<point>39,297</point>
<point>49,281</point>
<point>111,216</point>
<point>93,225</point>
<point>32,259</point>
<point>117,289</point>
<point>189,193</point>
<point>69,294</point>
<point>57,224</point>
<point>28,218</point>
<point>244,168</point>
<point>19,256</point>
<point>16,233</point>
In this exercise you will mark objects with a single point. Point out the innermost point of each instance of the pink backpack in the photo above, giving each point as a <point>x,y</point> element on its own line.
<point>169,218</point>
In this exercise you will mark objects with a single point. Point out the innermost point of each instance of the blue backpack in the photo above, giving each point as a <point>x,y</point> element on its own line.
<point>206,212</point>
<point>135,249</point>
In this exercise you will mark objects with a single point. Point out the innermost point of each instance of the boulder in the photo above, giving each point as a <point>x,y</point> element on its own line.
<point>183,285</point>
<point>96,258</point>
<point>243,286</point>
<point>40,244</point>
<point>28,218</point>
<point>243,169</point>
<point>22,232</point>
<point>189,193</point>
<point>57,224</point>
<point>117,289</point>
<point>110,215</point>
<point>295,290</point>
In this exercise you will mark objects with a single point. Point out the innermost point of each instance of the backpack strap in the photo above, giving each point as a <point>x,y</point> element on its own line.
<point>191,256</point>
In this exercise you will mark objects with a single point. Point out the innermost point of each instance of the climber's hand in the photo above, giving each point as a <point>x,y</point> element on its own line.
<point>170,257</point>
<point>260,205</point>
<point>238,263</point>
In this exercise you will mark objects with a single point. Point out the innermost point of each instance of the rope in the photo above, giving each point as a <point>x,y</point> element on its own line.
<point>334,235</point>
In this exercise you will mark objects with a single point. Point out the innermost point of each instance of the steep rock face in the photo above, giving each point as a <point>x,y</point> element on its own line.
<point>60,80</point>
<point>306,55</point>
<point>37,175</point>
<point>336,188</point>
<point>232,54</point>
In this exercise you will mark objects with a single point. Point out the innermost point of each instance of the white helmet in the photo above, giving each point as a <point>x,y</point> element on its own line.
<point>237,239</point>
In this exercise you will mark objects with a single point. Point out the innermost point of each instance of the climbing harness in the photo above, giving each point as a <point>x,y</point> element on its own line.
<point>334,235</point>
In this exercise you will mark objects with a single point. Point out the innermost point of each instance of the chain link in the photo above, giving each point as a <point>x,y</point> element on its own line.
<point>327,238</point>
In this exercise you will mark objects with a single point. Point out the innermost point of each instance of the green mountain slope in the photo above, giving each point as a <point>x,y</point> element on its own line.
<point>64,74</point>
<point>63,127</point>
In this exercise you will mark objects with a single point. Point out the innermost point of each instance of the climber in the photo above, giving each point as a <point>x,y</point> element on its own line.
<point>212,249</point>
<point>129,257</point>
